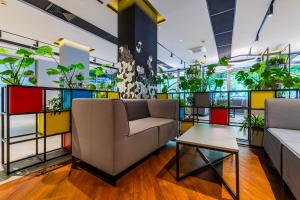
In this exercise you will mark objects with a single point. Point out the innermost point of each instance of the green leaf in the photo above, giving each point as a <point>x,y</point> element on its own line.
<point>92,86</point>
<point>27,62</point>
<point>63,68</point>
<point>44,50</point>
<point>7,72</point>
<point>79,77</point>
<point>79,66</point>
<point>52,71</point>
<point>4,51</point>
<point>24,52</point>
<point>9,60</point>
<point>28,73</point>
<point>223,61</point>
<point>32,80</point>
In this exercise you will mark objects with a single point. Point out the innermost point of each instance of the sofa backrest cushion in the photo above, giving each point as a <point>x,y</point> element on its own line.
<point>282,113</point>
<point>136,109</point>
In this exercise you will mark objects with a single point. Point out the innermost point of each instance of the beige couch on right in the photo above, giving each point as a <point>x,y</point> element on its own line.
<point>110,136</point>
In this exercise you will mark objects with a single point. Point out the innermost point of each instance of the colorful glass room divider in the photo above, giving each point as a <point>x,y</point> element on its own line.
<point>49,122</point>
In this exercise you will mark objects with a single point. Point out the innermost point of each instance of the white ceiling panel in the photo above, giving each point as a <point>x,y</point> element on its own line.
<point>278,31</point>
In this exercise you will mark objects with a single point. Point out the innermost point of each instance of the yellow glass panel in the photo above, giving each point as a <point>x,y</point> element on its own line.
<point>184,126</point>
<point>113,95</point>
<point>102,95</point>
<point>258,98</point>
<point>161,96</point>
<point>55,123</point>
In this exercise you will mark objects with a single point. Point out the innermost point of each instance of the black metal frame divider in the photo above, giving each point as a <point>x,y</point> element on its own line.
<point>45,156</point>
<point>229,107</point>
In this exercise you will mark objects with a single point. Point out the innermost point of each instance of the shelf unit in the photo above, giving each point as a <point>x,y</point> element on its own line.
<point>32,100</point>
<point>198,101</point>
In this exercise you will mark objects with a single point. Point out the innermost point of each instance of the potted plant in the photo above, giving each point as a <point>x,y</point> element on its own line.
<point>256,125</point>
<point>55,112</point>
<point>219,113</point>
<point>16,73</point>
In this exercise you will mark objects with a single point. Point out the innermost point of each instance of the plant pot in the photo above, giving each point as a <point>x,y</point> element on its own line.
<point>186,125</point>
<point>258,98</point>
<point>55,123</point>
<point>257,137</point>
<point>219,116</point>
<point>161,96</point>
<point>24,99</point>
<point>75,94</point>
<point>202,100</point>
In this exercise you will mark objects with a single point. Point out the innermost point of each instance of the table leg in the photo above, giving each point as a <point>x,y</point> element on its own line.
<point>177,161</point>
<point>237,174</point>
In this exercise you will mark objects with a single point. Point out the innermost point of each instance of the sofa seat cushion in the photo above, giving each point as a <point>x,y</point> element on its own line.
<point>140,125</point>
<point>290,166</point>
<point>285,135</point>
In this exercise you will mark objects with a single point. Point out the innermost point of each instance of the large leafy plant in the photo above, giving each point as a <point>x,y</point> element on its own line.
<point>69,76</point>
<point>16,68</point>
<point>100,72</point>
<point>163,79</point>
<point>195,82</point>
<point>267,76</point>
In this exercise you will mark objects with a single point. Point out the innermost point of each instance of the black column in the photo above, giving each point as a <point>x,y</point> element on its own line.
<point>137,42</point>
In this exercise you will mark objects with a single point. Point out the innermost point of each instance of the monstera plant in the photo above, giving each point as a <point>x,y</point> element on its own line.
<point>16,69</point>
<point>267,76</point>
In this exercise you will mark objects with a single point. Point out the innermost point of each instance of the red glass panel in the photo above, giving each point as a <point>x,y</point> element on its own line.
<point>219,116</point>
<point>25,99</point>
<point>67,141</point>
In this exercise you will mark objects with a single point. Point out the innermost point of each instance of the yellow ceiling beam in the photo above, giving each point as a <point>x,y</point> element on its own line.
<point>145,5</point>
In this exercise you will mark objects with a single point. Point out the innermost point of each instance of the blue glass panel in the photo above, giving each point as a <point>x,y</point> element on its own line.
<point>76,94</point>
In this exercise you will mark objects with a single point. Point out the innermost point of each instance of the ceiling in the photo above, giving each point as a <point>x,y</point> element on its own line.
<point>188,25</point>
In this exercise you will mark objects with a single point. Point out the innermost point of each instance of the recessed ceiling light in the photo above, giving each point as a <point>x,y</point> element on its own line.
<point>180,40</point>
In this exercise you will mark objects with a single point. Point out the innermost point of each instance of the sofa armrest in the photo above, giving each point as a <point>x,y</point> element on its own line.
<point>121,118</point>
<point>93,132</point>
<point>163,108</point>
<point>282,113</point>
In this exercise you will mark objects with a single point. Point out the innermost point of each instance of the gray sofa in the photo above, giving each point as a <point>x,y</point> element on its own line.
<point>282,139</point>
<point>109,136</point>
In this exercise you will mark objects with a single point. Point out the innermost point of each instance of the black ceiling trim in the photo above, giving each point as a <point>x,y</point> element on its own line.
<point>69,17</point>
<point>222,15</point>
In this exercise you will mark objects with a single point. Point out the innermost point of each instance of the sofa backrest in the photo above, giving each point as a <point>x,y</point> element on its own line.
<point>136,109</point>
<point>163,108</point>
<point>282,113</point>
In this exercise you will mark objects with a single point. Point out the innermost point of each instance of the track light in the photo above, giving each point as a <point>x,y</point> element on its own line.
<point>36,44</point>
<point>270,11</point>
<point>181,62</point>
<point>95,59</point>
<point>171,55</point>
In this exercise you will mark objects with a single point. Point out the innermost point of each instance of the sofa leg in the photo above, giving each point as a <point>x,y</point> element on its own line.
<point>74,164</point>
<point>157,152</point>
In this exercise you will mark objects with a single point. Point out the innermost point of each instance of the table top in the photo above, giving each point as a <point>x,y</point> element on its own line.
<point>217,137</point>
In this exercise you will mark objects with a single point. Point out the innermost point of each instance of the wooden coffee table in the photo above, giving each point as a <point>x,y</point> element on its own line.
<point>211,137</point>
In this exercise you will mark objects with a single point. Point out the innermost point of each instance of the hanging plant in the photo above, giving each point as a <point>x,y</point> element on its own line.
<point>16,70</point>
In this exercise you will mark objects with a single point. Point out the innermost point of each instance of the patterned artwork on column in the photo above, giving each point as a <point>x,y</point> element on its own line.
<point>136,82</point>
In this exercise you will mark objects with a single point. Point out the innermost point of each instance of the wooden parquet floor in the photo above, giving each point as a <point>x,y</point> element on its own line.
<point>154,179</point>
